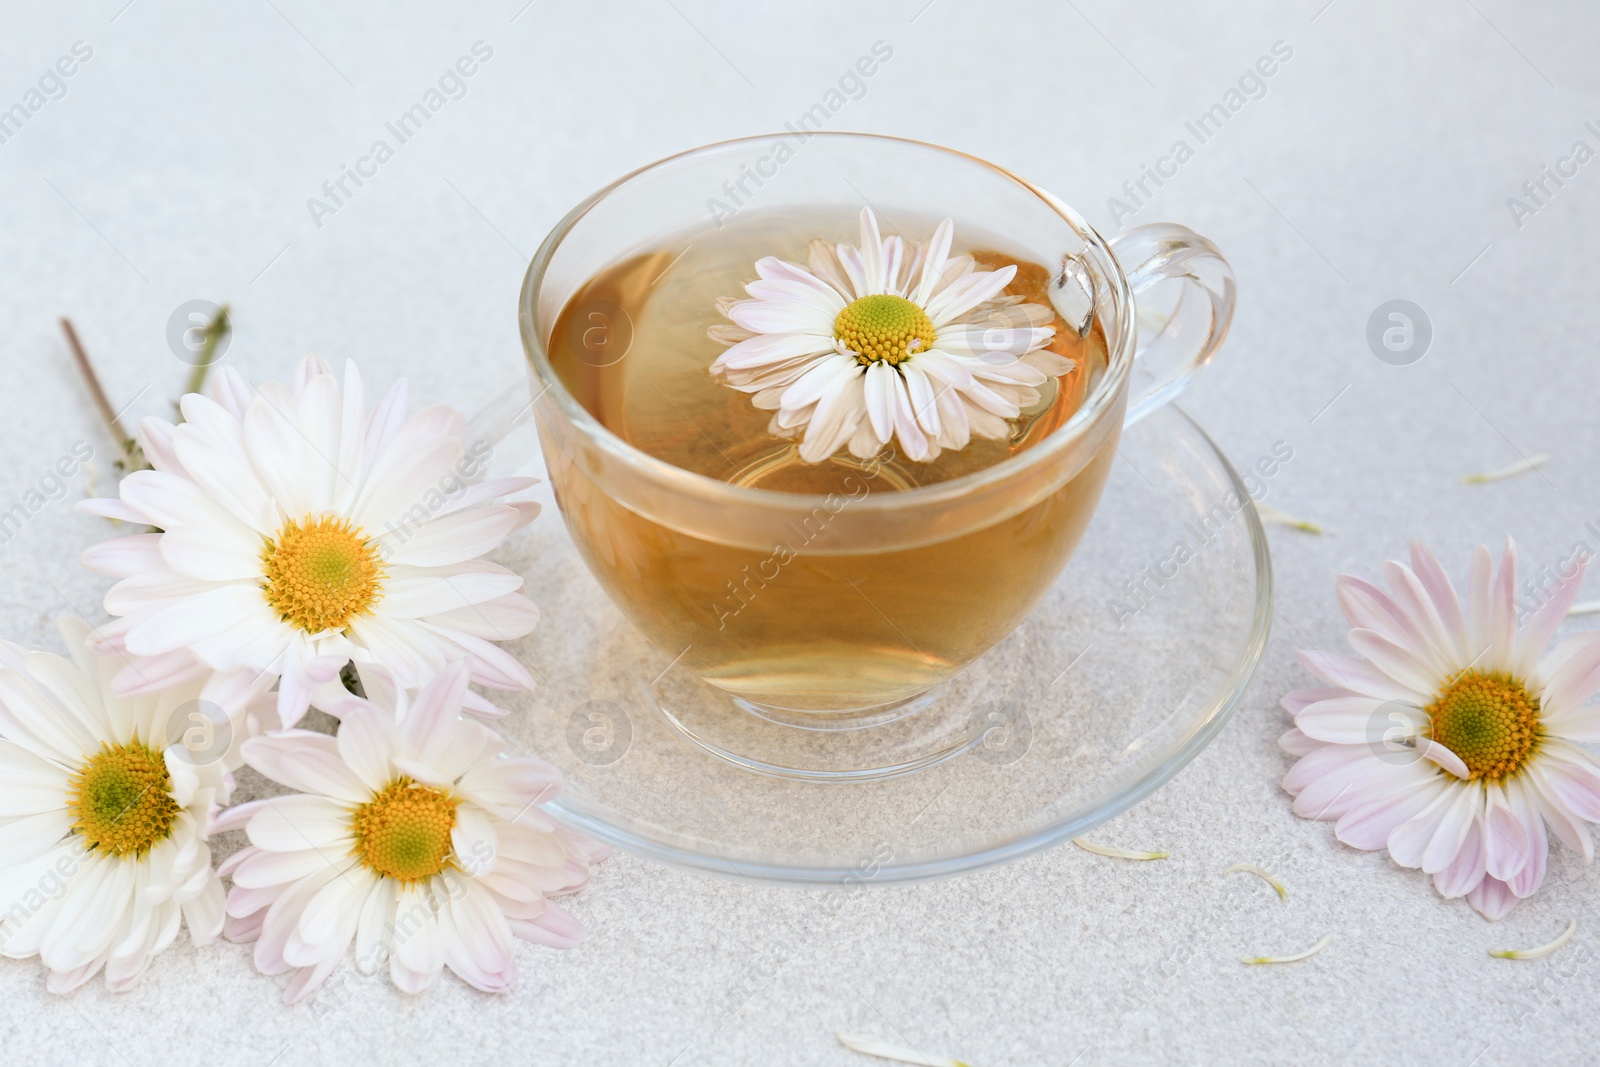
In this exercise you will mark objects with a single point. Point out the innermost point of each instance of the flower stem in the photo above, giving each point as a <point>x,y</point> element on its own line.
<point>216,331</point>
<point>125,442</point>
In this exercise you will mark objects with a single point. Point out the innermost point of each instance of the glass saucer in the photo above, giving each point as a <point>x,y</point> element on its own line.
<point>1130,664</point>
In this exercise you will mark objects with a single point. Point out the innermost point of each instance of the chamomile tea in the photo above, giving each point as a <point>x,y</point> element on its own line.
<point>908,396</point>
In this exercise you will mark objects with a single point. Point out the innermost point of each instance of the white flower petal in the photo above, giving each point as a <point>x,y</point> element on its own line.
<point>1360,676</point>
<point>933,262</point>
<point>72,694</point>
<point>1431,750</point>
<point>1412,598</point>
<point>415,598</point>
<point>1575,681</point>
<point>1573,778</point>
<point>298,822</point>
<point>1413,842</point>
<point>155,439</point>
<point>509,787</point>
<point>211,445</point>
<point>1480,579</point>
<point>22,837</point>
<point>771,349</point>
<point>1493,898</point>
<point>1353,720</point>
<point>372,926</point>
<point>171,502</point>
<point>913,442</point>
<point>823,260</point>
<point>261,869</point>
<point>328,923</point>
<point>824,376</point>
<point>123,557</point>
<point>872,272</point>
<point>231,391</point>
<point>773,269</point>
<point>1463,874</point>
<point>966,293</point>
<point>29,717</point>
<point>1565,823</point>
<point>878,390</point>
<point>1368,825</point>
<point>387,418</point>
<point>281,456</point>
<point>789,291</point>
<point>474,839</point>
<point>1443,594</point>
<point>204,914</point>
<point>367,746</point>
<point>1449,836</point>
<point>308,763</point>
<point>1395,660</point>
<point>783,316</point>
<point>201,556</point>
<point>1531,875</point>
<point>418,959</point>
<point>1503,614</point>
<point>981,340</point>
<point>477,940</point>
<point>923,397</point>
<point>188,621</point>
<point>86,923</point>
<point>403,476</point>
<point>839,413</point>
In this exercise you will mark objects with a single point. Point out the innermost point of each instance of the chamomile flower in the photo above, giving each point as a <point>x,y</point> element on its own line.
<point>886,341</point>
<point>103,823</point>
<point>297,531</point>
<point>1454,740</point>
<point>411,839</point>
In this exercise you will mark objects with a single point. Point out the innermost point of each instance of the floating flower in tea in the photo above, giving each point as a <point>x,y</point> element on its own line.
<point>864,348</point>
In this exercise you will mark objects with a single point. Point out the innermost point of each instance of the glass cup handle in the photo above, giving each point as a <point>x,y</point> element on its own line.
<point>1169,352</point>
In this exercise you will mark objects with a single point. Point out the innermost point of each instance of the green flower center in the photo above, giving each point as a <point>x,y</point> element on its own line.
<point>885,328</point>
<point>321,574</point>
<point>403,832</point>
<point>1490,720</point>
<point>120,800</point>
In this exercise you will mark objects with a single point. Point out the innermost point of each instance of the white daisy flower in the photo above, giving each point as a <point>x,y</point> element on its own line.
<point>410,839</point>
<point>864,348</point>
<point>297,532</point>
<point>103,825</point>
<point>1452,740</point>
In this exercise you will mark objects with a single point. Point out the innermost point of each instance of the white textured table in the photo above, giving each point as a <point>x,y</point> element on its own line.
<point>1375,164</point>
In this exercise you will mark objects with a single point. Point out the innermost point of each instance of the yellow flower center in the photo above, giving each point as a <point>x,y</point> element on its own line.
<point>1490,720</point>
<point>120,800</point>
<point>884,327</point>
<point>322,573</point>
<point>403,832</point>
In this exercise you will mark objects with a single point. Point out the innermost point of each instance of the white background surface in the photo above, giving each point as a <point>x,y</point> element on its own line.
<point>1376,166</point>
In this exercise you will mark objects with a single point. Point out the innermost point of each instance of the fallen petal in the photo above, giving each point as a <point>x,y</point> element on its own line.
<point>1296,958</point>
<point>1116,853</point>
<point>1283,894</point>
<point>1542,950</point>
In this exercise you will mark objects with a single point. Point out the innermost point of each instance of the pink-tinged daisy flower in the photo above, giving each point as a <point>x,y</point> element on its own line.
<point>103,822</point>
<point>296,531</point>
<point>413,839</point>
<point>1453,739</point>
<point>886,341</point>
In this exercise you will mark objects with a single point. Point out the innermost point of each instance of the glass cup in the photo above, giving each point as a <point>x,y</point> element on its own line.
<point>857,601</point>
